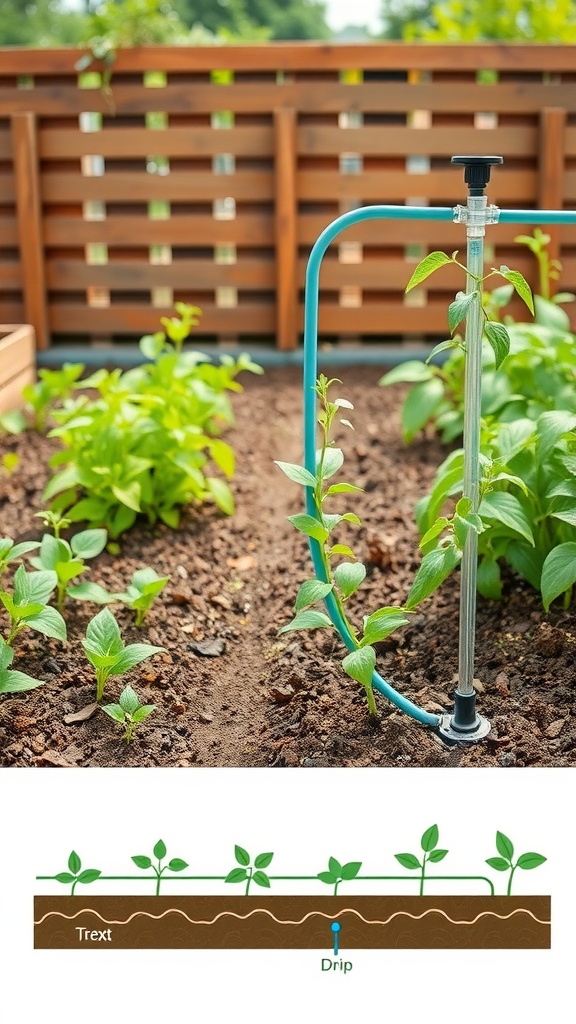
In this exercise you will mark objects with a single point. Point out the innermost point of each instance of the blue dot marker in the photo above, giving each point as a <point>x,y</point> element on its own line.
<point>335,928</point>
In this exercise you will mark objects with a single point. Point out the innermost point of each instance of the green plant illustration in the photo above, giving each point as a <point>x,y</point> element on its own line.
<point>75,875</point>
<point>159,851</point>
<point>142,591</point>
<point>9,551</point>
<point>107,652</point>
<point>128,712</point>
<point>526,861</point>
<point>432,855</point>
<point>67,560</point>
<point>248,872</point>
<point>338,872</point>
<point>12,681</point>
<point>28,605</point>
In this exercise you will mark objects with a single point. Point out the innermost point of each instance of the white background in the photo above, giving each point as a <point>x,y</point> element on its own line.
<point>303,816</point>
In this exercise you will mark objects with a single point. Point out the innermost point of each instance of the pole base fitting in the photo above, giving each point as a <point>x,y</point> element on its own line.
<point>464,725</point>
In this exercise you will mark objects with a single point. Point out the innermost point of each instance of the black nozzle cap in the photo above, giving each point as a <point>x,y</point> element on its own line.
<point>477,171</point>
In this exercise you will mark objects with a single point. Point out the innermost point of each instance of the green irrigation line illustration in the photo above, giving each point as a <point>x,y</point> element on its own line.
<point>253,872</point>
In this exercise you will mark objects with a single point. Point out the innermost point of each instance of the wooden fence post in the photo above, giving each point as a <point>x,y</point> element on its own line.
<point>29,216</point>
<point>285,228</point>
<point>552,145</point>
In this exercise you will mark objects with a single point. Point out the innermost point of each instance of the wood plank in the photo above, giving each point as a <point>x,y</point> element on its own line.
<point>143,142</point>
<point>17,350</point>
<point>10,275</point>
<point>397,140</point>
<point>387,318</point>
<point>11,390</point>
<point>176,187</point>
<point>11,312</point>
<point>29,215</point>
<point>286,211</point>
<point>247,229</point>
<point>76,318</point>
<point>393,186</point>
<point>8,232</point>
<point>71,275</point>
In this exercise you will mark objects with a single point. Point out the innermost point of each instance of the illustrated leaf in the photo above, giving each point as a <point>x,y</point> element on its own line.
<point>408,860</point>
<point>498,863</point>
<point>410,372</point>
<point>327,877</point>
<point>528,861</point>
<point>558,572</point>
<point>437,855</point>
<point>499,341</point>
<point>74,863</point>
<point>427,266</point>
<point>261,878</point>
<point>507,509</point>
<point>142,862</point>
<point>90,875</point>
<point>429,839</point>
<point>335,867</point>
<point>350,870</point>
<point>433,570</point>
<point>504,846</point>
<point>236,875</point>
<point>263,860</point>
<point>65,878</point>
<point>298,474</point>
<point>520,284</point>
<point>159,850</point>
<point>307,620</point>
<point>349,576</point>
<point>310,526</point>
<point>177,864</point>
<point>459,309</point>
<point>360,665</point>
<point>310,592</point>
<point>242,856</point>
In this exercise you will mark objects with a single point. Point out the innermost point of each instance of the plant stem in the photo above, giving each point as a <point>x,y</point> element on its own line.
<point>509,889</point>
<point>101,677</point>
<point>60,595</point>
<point>248,881</point>
<point>74,884</point>
<point>336,884</point>
<point>16,627</point>
<point>159,872</point>
<point>423,875</point>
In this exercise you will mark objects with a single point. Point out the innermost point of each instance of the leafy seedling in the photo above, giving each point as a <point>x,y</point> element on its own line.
<point>9,551</point>
<point>338,872</point>
<point>12,681</point>
<point>248,872</point>
<point>129,712</point>
<point>432,855</point>
<point>28,605</point>
<point>51,389</point>
<point>9,464</point>
<point>106,651</point>
<point>141,592</point>
<point>159,851</point>
<point>74,875</point>
<point>67,560</point>
<point>526,861</point>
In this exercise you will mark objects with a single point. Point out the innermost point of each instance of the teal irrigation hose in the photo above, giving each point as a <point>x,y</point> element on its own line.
<point>310,375</point>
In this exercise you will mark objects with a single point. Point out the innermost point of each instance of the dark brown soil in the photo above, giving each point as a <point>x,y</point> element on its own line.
<point>285,701</point>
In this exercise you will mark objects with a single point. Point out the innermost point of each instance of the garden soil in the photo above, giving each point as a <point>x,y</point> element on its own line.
<point>228,690</point>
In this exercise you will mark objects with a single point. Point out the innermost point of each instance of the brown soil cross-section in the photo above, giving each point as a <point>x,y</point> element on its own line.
<point>291,922</point>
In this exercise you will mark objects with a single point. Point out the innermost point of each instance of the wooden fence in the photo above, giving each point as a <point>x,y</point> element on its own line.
<point>206,174</point>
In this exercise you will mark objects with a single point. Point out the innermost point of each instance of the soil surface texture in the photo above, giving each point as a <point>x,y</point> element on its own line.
<point>228,690</point>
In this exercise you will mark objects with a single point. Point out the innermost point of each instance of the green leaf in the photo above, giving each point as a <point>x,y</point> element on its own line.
<point>22,549</point>
<point>420,406</point>
<point>488,580</point>
<point>327,877</point>
<point>115,711</point>
<point>498,863</point>
<point>360,665</point>
<point>429,839</point>
<point>89,591</point>
<point>350,870</point>
<point>443,346</point>
<point>310,526</point>
<point>504,846</point>
<point>459,309</point>
<point>222,494</point>
<point>65,878</point>
<point>528,861</point>
<point>151,345</point>
<point>341,549</point>
<point>177,864</point>
<point>408,860</point>
<point>507,509</point>
<point>223,455</point>
<point>142,862</point>
<point>558,572</point>
<point>499,341</point>
<point>520,284</point>
<point>129,700</point>
<point>133,655</point>
<point>261,878</point>
<point>142,712</point>
<point>236,875</point>
<point>103,634</point>
<point>128,494</point>
<point>159,850</point>
<point>433,570</point>
<point>550,427</point>
<point>382,624</point>
<point>411,372</point>
<point>567,515</point>
<point>343,488</point>
<point>17,682</point>
<point>333,461</point>
<point>427,266</point>
<point>33,587</point>
<point>435,530</point>
<point>526,560</point>
<point>74,863</point>
<point>307,620</point>
<point>263,860</point>
<point>297,473</point>
<point>349,576</point>
<point>335,867</point>
<point>89,543</point>
<point>310,592</point>
<point>242,856</point>
<point>437,855</point>
<point>90,875</point>
<point>49,622</point>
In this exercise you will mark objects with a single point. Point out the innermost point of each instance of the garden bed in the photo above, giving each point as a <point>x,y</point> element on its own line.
<point>228,690</point>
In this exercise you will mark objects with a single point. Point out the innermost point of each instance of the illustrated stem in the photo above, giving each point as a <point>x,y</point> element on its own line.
<point>423,875</point>
<point>74,884</point>
<point>248,881</point>
<point>337,883</point>
<point>509,889</point>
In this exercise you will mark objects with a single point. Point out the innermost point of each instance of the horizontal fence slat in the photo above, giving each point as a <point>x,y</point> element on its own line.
<point>75,318</point>
<point>183,230</point>
<point>392,140</point>
<point>394,186</point>
<point>67,275</point>
<point>141,187</point>
<point>61,143</point>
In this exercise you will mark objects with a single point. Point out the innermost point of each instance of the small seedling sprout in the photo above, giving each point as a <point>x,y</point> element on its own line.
<point>66,559</point>
<point>432,855</point>
<point>248,872</point>
<point>141,592</point>
<point>74,875</point>
<point>338,872</point>
<point>526,861</point>
<point>159,851</point>
<point>28,605</point>
<point>106,651</point>
<point>129,712</point>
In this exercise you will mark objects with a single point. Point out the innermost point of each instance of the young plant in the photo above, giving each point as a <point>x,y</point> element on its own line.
<point>51,389</point>
<point>75,875</point>
<point>141,592</point>
<point>106,651</point>
<point>159,851</point>
<point>526,861</point>
<point>12,681</point>
<point>28,605</point>
<point>338,872</point>
<point>432,855</point>
<point>67,560</point>
<point>9,551</point>
<point>9,464</point>
<point>250,873</point>
<point>129,712</point>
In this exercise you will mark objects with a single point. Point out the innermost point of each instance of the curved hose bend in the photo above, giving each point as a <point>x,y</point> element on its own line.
<point>310,375</point>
